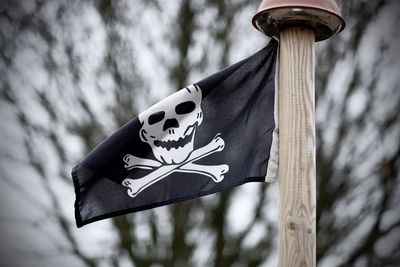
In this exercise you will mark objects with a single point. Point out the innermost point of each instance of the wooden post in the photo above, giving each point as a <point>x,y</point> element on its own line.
<point>297,207</point>
<point>297,24</point>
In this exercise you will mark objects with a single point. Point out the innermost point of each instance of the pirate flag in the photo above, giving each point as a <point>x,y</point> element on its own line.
<point>212,135</point>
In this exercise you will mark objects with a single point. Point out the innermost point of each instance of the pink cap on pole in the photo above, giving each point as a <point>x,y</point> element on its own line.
<point>321,15</point>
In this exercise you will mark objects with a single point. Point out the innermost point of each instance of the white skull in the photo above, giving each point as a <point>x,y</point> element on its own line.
<point>170,125</point>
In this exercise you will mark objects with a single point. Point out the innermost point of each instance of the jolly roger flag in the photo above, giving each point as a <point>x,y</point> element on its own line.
<point>212,135</point>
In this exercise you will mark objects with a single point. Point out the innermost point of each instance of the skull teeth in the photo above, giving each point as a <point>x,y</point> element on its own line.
<point>181,142</point>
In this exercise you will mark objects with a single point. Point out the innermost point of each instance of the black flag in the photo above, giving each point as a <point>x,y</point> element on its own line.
<point>207,137</point>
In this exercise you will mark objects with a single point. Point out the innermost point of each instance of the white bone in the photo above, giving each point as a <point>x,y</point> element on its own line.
<point>135,186</point>
<point>132,162</point>
<point>215,172</point>
<point>216,145</point>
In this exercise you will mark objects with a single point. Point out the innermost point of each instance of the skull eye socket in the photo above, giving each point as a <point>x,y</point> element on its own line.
<point>156,117</point>
<point>185,107</point>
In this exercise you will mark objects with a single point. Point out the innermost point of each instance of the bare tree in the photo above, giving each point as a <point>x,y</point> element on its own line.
<point>72,72</point>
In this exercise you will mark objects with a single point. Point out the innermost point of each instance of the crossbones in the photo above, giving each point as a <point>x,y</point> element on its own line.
<point>161,170</point>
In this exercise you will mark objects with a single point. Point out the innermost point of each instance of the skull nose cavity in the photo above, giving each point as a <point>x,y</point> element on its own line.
<point>170,123</point>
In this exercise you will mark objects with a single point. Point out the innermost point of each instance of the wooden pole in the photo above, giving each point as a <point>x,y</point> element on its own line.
<point>297,208</point>
<point>297,24</point>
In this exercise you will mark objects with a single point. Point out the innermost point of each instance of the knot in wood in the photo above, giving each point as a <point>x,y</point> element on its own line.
<point>291,225</point>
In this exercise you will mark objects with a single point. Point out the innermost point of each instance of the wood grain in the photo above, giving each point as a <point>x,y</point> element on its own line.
<point>297,208</point>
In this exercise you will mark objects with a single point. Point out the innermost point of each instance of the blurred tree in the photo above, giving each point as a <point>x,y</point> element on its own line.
<point>72,72</point>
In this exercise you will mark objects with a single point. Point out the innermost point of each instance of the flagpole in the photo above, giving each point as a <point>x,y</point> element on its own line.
<point>297,195</point>
<point>297,25</point>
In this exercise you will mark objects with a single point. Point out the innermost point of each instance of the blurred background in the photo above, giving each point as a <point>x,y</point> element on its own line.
<point>72,72</point>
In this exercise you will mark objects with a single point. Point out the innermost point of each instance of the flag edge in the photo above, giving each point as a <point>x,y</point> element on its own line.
<point>77,187</point>
<point>80,222</point>
<point>273,161</point>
